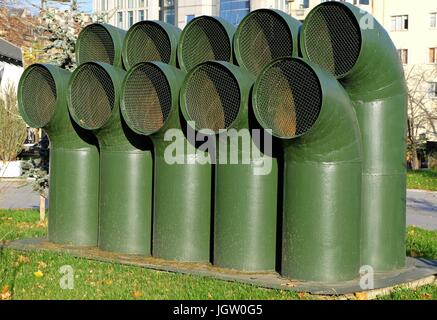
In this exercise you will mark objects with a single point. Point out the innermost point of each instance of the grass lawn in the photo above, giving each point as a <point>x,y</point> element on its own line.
<point>36,275</point>
<point>422,179</point>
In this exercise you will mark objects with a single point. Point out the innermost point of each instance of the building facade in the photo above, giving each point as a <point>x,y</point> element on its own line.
<point>124,13</point>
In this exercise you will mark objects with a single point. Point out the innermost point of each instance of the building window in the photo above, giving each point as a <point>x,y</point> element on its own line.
<point>167,13</point>
<point>130,18</point>
<point>234,10</point>
<point>140,15</point>
<point>432,55</point>
<point>141,3</point>
<point>433,20</point>
<point>130,4</point>
<point>304,4</point>
<point>120,20</point>
<point>403,55</point>
<point>433,90</point>
<point>120,4</point>
<point>189,17</point>
<point>399,23</point>
<point>103,5</point>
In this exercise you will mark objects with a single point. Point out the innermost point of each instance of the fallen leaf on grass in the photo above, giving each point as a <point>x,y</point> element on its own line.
<point>361,296</point>
<point>5,294</point>
<point>426,296</point>
<point>136,294</point>
<point>210,296</point>
<point>23,259</point>
<point>42,265</point>
<point>38,274</point>
<point>302,295</point>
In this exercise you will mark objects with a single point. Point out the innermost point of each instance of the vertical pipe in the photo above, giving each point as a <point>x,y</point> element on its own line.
<point>74,157</point>
<point>125,159</point>
<point>182,190</point>
<point>354,47</point>
<point>310,111</point>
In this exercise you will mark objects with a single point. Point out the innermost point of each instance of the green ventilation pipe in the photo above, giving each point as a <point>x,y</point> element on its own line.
<point>366,62</point>
<point>215,96</point>
<point>100,42</point>
<point>263,36</point>
<point>311,112</point>
<point>150,41</point>
<point>74,157</point>
<point>205,38</point>
<point>125,159</point>
<point>182,191</point>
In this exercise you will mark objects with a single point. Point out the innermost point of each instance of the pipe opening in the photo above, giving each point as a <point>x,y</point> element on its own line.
<point>204,39</point>
<point>95,44</point>
<point>147,99</point>
<point>263,36</point>
<point>92,96</point>
<point>38,97</point>
<point>147,41</point>
<point>332,38</point>
<point>212,97</point>
<point>288,98</point>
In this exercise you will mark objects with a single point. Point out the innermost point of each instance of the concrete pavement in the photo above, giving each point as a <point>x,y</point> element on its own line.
<point>421,205</point>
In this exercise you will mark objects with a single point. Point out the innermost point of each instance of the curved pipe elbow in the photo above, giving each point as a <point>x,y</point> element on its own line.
<point>50,81</point>
<point>94,104</point>
<point>309,110</point>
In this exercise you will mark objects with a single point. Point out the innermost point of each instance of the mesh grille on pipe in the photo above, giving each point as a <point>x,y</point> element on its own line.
<point>204,39</point>
<point>332,38</point>
<point>96,44</point>
<point>212,97</point>
<point>262,37</point>
<point>147,99</point>
<point>38,96</point>
<point>92,96</point>
<point>288,98</point>
<point>147,41</point>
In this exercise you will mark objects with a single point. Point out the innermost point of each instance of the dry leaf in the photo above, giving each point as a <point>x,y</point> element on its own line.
<point>361,296</point>
<point>38,274</point>
<point>137,294</point>
<point>301,295</point>
<point>5,294</point>
<point>42,265</point>
<point>210,296</point>
<point>23,259</point>
<point>426,296</point>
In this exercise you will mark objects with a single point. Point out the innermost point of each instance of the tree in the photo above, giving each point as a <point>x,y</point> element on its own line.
<point>12,127</point>
<point>422,110</point>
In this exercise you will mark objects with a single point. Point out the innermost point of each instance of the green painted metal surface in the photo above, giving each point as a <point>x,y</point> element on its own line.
<point>205,38</point>
<point>150,41</point>
<point>216,95</point>
<point>365,60</point>
<point>100,42</point>
<point>182,191</point>
<point>265,35</point>
<point>314,116</point>
<point>74,157</point>
<point>125,159</point>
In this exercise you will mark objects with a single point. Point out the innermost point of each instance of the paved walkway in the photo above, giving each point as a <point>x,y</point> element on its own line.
<point>421,205</point>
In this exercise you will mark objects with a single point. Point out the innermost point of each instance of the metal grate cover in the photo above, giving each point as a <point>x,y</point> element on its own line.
<point>263,36</point>
<point>204,39</point>
<point>92,96</point>
<point>147,98</point>
<point>147,41</point>
<point>332,38</point>
<point>38,96</point>
<point>212,97</point>
<point>288,98</point>
<point>96,44</point>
